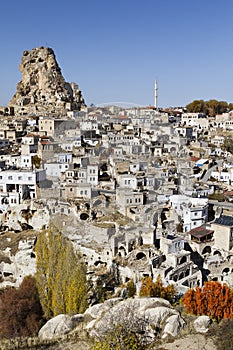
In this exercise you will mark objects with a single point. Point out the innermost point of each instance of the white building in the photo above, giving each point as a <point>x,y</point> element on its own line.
<point>17,185</point>
<point>193,211</point>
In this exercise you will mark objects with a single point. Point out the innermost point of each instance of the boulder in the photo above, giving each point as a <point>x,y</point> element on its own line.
<point>202,323</point>
<point>57,326</point>
<point>152,316</point>
<point>173,326</point>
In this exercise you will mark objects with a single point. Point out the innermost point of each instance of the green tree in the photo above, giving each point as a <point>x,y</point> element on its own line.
<point>211,107</point>
<point>197,106</point>
<point>61,275</point>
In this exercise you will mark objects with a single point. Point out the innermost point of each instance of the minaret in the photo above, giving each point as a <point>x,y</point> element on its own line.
<point>156,95</point>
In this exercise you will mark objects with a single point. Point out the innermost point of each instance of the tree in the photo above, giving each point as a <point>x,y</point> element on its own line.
<point>156,289</point>
<point>213,299</point>
<point>131,288</point>
<point>211,107</point>
<point>36,161</point>
<point>61,275</point>
<point>197,106</point>
<point>20,310</point>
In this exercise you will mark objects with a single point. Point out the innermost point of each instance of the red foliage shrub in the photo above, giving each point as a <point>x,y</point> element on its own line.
<point>20,310</point>
<point>213,299</point>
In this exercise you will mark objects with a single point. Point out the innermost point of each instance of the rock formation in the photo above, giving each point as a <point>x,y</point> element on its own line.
<point>157,317</point>
<point>43,88</point>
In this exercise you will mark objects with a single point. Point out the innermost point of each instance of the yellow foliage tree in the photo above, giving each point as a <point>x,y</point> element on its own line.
<point>156,289</point>
<point>60,276</point>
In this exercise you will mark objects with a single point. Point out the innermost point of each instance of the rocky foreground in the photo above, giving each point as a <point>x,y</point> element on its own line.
<point>162,326</point>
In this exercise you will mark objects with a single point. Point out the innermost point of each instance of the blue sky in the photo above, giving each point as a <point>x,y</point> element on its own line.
<point>115,50</point>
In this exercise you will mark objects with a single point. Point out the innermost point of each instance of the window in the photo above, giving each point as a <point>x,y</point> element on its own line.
<point>10,178</point>
<point>19,177</point>
<point>29,178</point>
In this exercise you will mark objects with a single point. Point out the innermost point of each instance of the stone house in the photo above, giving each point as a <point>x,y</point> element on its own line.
<point>192,211</point>
<point>177,266</point>
<point>127,181</point>
<point>225,175</point>
<point>50,126</point>
<point>201,239</point>
<point>223,232</point>
<point>55,169</point>
<point>128,199</point>
<point>77,191</point>
<point>17,185</point>
<point>26,161</point>
<point>69,144</point>
<point>46,148</point>
<point>29,143</point>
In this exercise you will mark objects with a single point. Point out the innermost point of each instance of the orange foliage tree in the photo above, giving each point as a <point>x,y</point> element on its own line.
<point>20,310</point>
<point>156,289</point>
<point>214,299</point>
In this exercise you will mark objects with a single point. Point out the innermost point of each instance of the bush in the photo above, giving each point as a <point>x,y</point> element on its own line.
<point>20,310</point>
<point>156,289</point>
<point>214,300</point>
<point>131,289</point>
<point>125,331</point>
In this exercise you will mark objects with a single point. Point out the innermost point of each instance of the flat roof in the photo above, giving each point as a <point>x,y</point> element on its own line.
<point>200,232</point>
<point>224,220</point>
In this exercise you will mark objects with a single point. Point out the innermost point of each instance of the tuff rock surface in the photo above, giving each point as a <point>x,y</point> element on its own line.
<point>43,87</point>
<point>155,316</point>
<point>59,325</point>
<point>202,324</point>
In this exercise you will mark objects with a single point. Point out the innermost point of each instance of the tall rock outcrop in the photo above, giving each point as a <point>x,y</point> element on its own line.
<point>43,88</point>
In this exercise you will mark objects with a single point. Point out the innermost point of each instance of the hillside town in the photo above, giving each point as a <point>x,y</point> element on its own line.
<point>140,191</point>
